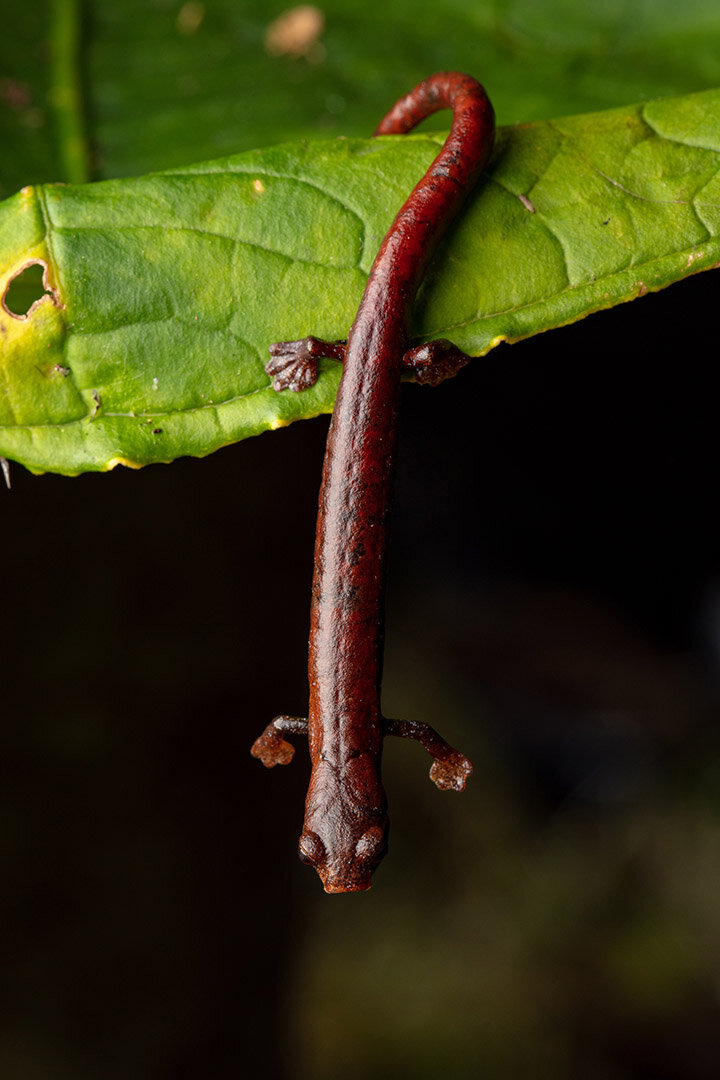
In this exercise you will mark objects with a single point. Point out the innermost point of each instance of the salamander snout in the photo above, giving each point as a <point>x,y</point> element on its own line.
<point>345,864</point>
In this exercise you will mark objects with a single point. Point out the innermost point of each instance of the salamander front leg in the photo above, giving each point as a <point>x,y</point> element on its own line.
<point>450,769</point>
<point>434,361</point>
<point>271,747</point>
<point>294,364</point>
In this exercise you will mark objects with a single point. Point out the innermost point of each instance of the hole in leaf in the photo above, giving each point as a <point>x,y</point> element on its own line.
<point>24,290</point>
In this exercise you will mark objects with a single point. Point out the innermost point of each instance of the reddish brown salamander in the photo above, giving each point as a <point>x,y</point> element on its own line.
<point>345,830</point>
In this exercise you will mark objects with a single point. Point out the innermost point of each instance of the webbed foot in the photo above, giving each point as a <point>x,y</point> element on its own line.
<point>434,361</point>
<point>294,364</point>
<point>450,769</point>
<point>271,748</point>
<point>451,773</point>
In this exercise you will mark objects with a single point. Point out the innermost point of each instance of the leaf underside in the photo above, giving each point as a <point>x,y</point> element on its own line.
<point>162,294</point>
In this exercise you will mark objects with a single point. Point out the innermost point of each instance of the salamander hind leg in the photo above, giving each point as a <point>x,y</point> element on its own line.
<point>434,361</point>
<point>294,364</point>
<point>271,748</point>
<point>450,769</point>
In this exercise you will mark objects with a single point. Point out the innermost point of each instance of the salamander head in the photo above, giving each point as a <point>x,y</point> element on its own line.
<point>345,832</point>
<point>346,858</point>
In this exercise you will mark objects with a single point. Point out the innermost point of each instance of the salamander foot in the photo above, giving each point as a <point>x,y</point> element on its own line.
<point>452,773</point>
<point>294,364</point>
<point>271,748</point>
<point>434,361</point>
<point>450,769</point>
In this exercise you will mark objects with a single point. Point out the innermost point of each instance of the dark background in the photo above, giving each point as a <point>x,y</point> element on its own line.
<point>552,608</point>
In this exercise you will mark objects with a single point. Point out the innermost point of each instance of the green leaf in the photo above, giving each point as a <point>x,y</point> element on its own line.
<point>164,292</point>
<point>162,96</point>
<point>168,82</point>
<point>163,86</point>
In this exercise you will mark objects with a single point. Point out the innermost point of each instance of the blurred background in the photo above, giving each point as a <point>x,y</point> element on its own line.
<point>554,609</point>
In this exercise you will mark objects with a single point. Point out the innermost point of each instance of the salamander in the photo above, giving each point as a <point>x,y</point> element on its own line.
<point>345,829</point>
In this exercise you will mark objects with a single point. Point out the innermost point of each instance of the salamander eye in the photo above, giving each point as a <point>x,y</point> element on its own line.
<point>311,849</point>
<point>371,845</point>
